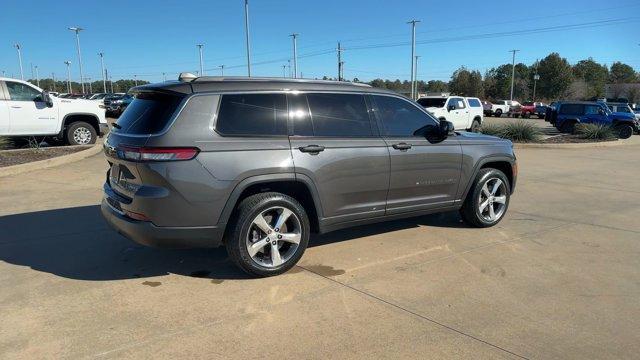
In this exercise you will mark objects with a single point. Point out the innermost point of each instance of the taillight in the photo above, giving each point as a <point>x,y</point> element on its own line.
<point>136,216</point>
<point>157,154</point>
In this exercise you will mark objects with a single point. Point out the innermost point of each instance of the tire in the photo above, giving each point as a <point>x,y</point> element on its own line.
<point>475,126</point>
<point>498,113</point>
<point>624,131</point>
<point>80,133</point>
<point>480,210</point>
<point>526,115</point>
<point>244,230</point>
<point>568,127</point>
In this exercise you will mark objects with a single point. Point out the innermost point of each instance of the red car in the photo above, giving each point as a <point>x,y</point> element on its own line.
<point>530,108</point>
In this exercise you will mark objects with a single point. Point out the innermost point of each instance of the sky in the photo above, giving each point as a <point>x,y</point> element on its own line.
<point>147,38</point>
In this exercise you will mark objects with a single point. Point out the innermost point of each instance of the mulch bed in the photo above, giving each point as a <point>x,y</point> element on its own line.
<point>23,156</point>
<point>572,139</point>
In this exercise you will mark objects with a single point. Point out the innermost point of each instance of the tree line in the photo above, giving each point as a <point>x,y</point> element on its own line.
<point>122,85</point>
<point>558,79</point>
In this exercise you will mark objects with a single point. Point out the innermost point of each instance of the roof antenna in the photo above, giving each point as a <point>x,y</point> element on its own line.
<point>186,77</point>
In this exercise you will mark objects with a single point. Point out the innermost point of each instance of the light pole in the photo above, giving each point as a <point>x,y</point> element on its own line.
<point>415,86</point>
<point>135,79</point>
<point>77,30</point>
<point>90,85</point>
<point>340,62</point>
<point>18,48</point>
<point>284,70</point>
<point>413,51</point>
<point>68,63</point>
<point>37,77</point>
<point>295,55</point>
<point>246,30</point>
<point>222,70</point>
<point>289,67</point>
<point>513,71</point>
<point>104,76</point>
<point>201,64</point>
<point>164,77</point>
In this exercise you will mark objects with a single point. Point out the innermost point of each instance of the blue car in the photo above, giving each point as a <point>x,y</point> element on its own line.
<point>566,114</point>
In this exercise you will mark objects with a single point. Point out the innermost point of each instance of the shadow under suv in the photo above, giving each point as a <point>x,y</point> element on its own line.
<point>257,165</point>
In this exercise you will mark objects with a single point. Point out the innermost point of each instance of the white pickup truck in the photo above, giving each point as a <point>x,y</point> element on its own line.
<point>500,107</point>
<point>26,110</point>
<point>465,113</point>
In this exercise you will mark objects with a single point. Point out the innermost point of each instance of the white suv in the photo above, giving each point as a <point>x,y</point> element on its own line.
<point>26,110</point>
<point>465,113</point>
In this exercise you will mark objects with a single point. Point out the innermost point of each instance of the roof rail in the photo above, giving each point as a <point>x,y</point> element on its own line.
<point>278,79</point>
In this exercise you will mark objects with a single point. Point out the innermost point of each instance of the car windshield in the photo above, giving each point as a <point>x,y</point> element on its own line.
<point>432,102</point>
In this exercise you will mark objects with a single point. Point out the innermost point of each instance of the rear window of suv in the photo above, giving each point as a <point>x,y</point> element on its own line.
<point>571,109</point>
<point>148,113</point>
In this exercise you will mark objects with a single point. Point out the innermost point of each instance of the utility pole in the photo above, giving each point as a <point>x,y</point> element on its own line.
<point>340,62</point>
<point>37,77</point>
<point>222,70</point>
<point>246,30</point>
<point>104,75</point>
<point>18,48</point>
<point>536,77</point>
<point>68,63</point>
<point>77,30</point>
<point>415,86</point>
<point>201,64</point>
<point>33,76</point>
<point>413,51</point>
<point>90,86</point>
<point>284,70</point>
<point>164,77</point>
<point>53,77</point>
<point>513,70</point>
<point>135,79</point>
<point>289,66</point>
<point>295,55</point>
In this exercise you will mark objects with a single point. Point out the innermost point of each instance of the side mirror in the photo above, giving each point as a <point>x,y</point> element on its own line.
<point>46,98</point>
<point>600,112</point>
<point>446,128</point>
<point>451,107</point>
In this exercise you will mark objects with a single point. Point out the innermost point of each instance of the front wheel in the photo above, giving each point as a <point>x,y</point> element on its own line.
<point>80,133</point>
<point>498,113</point>
<point>475,126</point>
<point>624,131</point>
<point>488,199</point>
<point>268,235</point>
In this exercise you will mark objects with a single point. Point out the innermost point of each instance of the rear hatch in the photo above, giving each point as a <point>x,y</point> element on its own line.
<point>148,114</point>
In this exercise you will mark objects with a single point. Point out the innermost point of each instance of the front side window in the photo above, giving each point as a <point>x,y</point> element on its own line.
<point>339,115</point>
<point>592,109</point>
<point>457,102</point>
<point>22,92</point>
<point>400,117</point>
<point>253,115</point>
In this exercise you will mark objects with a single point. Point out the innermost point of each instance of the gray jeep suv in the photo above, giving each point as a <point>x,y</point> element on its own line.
<point>259,164</point>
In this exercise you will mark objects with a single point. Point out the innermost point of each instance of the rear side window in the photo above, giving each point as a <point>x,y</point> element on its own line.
<point>474,103</point>
<point>340,115</point>
<point>148,113</point>
<point>571,109</point>
<point>252,115</point>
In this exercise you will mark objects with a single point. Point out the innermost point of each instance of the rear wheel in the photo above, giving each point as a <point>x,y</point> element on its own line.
<point>488,199</point>
<point>269,234</point>
<point>475,126</point>
<point>498,113</point>
<point>624,131</point>
<point>526,115</point>
<point>80,133</point>
<point>568,127</point>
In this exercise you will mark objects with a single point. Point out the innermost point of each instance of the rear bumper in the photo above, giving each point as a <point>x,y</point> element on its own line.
<point>148,234</point>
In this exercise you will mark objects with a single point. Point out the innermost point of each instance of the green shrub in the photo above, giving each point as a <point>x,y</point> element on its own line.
<point>5,143</point>
<point>595,132</point>
<point>519,131</point>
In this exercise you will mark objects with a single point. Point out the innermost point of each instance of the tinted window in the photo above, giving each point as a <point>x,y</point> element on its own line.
<point>457,102</point>
<point>299,115</point>
<point>474,102</point>
<point>339,115</point>
<point>149,113</point>
<point>253,114</point>
<point>432,102</point>
<point>22,92</point>
<point>400,117</point>
<point>591,109</point>
<point>571,109</point>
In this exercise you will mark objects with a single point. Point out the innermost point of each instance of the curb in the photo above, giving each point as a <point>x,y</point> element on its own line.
<point>626,142</point>
<point>47,163</point>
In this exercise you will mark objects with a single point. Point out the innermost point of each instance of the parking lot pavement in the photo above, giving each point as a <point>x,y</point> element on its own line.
<point>557,278</point>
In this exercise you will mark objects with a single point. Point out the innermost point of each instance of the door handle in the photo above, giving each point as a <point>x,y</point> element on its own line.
<point>402,146</point>
<point>314,149</point>
<point>16,107</point>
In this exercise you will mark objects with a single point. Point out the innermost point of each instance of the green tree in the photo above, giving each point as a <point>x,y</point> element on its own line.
<point>437,86</point>
<point>467,83</point>
<point>621,73</point>
<point>555,76</point>
<point>594,76</point>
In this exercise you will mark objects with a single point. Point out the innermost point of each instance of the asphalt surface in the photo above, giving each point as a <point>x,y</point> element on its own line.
<point>559,277</point>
